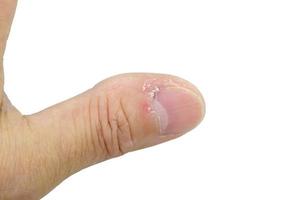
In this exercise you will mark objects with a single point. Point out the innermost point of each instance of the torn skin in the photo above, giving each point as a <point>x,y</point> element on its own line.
<point>153,106</point>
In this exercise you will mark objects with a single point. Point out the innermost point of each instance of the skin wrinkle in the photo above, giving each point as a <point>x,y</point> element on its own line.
<point>99,130</point>
<point>119,130</point>
<point>108,135</point>
<point>114,123</point>
<point>69,149</point>
<point>104,122</point>
<point>87,142</point>
<point>81,141</point>
<point>127,123</point>
<point>122,130</point>
<point>117,121</point>
<point>93,126</point>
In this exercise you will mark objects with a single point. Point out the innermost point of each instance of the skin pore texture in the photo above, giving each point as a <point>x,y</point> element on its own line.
<point>118,115</point>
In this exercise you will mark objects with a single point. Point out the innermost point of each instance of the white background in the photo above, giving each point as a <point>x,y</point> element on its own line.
<point>243,55</point>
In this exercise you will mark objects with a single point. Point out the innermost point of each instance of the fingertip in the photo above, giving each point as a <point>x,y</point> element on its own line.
<point>177,108</point>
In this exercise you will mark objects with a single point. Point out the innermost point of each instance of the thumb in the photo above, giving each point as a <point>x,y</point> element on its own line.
<point>119,115</point>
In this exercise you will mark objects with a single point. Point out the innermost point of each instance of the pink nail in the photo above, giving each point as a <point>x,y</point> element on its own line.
<point>178,110</point>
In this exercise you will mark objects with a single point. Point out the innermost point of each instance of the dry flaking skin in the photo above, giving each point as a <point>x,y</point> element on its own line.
<point>153,91</point>
<point>153,87</point>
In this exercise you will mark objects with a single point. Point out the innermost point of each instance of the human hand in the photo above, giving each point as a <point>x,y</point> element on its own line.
<point>119,115</point>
